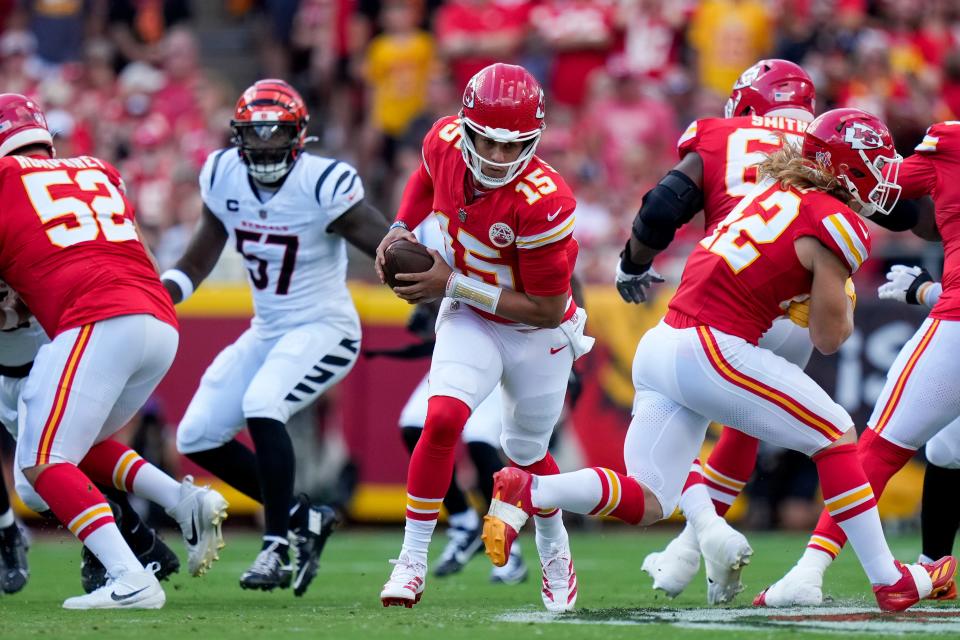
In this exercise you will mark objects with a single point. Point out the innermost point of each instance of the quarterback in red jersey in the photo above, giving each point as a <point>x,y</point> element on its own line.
<point>69,246</point>
<point>507,316</point>
<point>795,234</point>
<point>919,402</point>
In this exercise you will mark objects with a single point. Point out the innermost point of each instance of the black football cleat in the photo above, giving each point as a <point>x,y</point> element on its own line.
<point>463,544</point>
<point>268,571</point>
<point>14,570</point>
<point>308,542</point>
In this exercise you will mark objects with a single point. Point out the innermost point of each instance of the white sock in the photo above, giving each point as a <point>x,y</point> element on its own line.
<point>866,537</point>
<point>815,559</point>
<point>416,538</point>
<point>688,538</point>
<point>6,519</point>
<point>578,491</point>
<point>697,507</point>
<point>550,533</point>
<point>468,520</point>
<point>154,485</point>
<point>108,545</point>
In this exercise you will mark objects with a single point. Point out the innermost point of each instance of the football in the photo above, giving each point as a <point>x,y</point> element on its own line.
<point>403,256</point>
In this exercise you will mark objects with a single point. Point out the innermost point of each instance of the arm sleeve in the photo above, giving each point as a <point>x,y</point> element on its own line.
<point>417,200</point>
<point>918,177</point>
<point>845,235</point>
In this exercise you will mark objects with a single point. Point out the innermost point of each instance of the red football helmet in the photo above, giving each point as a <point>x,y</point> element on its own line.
<point>858,148</point>
<point>21,124</point>
<point>270,129</point>
<point>504,103</point>
<point>771,85</point>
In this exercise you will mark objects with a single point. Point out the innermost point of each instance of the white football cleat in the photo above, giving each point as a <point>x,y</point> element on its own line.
<point>131,590</point>
<point>406,583</point>
<point>673,568</point>
<point>559,591</point>
<point>200,513</point>
<point>801,587</point>
<point>725,553</point>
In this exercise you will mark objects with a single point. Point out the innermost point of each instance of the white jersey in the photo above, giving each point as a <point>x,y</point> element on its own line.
<point>296,268</point>
<point>20,346</point>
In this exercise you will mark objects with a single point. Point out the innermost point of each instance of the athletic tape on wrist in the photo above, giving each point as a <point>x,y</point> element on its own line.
<point>181,279</point>
<point>473,292</point>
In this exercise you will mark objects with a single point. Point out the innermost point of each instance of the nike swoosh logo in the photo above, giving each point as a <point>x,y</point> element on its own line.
<point>551,218</point>
<point>120,598</point>
<point>558,349</point>
<point>192,540</point>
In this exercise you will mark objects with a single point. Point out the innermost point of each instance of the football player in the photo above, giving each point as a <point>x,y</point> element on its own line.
<point>919,399</point>
<point>287,213</point>
<point>794,236</point>
<point>19,345</point>
<point>507,316</point>
<point>70,248</point>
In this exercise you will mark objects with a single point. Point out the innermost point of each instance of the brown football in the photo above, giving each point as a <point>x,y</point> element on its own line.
<point>403,256</point>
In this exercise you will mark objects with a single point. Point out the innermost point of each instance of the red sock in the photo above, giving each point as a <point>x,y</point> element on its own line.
<point>546,466</point>
<point>113,464</point>
<point>880,460</point>
<point>729,467</point>
<point>621,496</point>
<point>431,464</point>
<point>74,499</point>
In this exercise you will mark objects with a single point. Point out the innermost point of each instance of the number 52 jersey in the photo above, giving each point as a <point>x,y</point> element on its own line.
<point>297,269</point>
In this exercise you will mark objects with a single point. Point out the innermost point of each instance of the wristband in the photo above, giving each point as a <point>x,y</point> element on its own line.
<point>630,267</point>
<point>929,293</point>
<point>10,318</point>
<point>475,293</point>
<point>399,224</point>
<point>180,279</point>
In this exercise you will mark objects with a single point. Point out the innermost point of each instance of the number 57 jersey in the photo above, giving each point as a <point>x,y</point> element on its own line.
<point>69,246</point>
<point>297,269</point>
<point>738,276</point>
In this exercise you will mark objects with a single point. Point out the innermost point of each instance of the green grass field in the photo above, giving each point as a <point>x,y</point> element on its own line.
<point>616,600</point>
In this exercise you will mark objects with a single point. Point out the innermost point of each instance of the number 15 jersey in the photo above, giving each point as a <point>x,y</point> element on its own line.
<point>69,246</point>
<point>296,267</point>
<point>737,277</point>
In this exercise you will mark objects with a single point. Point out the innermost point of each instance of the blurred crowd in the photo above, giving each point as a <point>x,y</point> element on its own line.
<point>143,84</point>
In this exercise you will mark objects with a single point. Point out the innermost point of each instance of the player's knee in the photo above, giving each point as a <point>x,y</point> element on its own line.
<point>524,451</point>
<point>262,403</point>
<point>446,417</point>
<point>26,492</point>
<point>195,434</point>
<point>941,454</point>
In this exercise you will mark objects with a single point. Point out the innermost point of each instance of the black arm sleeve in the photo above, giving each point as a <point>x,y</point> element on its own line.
<point>667,207</point>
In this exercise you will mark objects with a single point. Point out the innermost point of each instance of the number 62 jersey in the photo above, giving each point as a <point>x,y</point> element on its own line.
<point>296,268</point>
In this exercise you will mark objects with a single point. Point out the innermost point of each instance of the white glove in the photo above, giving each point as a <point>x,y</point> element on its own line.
<point>910,285</point>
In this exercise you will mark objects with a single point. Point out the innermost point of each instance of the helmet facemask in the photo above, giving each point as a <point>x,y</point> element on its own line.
<point>883,196</point>
<point>269,149</point>
<point>475,162</point>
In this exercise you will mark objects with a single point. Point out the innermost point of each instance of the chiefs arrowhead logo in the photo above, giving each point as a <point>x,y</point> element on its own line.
<point>540,111</point>
<point>469,94</point>
<point>747,77</point>
<point>861,137</point>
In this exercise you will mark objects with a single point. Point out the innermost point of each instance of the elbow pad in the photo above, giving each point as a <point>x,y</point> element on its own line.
<point>667,207</point>
<point>904,216</point>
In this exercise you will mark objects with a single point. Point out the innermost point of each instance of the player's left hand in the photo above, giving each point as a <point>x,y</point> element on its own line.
<point>633,287</point>
<point>427,286</point>
<point>903,282</point>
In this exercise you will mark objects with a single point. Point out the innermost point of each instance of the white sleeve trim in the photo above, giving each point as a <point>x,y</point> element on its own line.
<point>558,232</point>
<point>846,238</point>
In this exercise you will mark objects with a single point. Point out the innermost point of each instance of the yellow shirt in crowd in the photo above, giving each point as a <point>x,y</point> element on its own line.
<point>729,36</point>
<point>398,71</point>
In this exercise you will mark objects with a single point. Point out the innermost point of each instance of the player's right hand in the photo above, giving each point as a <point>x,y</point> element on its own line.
<point>633,287</point>
<point>397,233</point>
<point>903,282</point>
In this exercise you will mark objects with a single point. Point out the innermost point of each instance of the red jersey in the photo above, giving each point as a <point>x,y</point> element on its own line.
<point>69,247</point>
<point>934,170</point>
<point>730,149</point>
<point>738,278</point>
<point>518,236</point>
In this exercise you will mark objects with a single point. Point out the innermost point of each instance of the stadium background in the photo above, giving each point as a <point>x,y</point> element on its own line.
<point>150,86</point>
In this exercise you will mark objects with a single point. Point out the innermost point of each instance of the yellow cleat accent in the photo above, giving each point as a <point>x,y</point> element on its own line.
<point>494,539</point>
